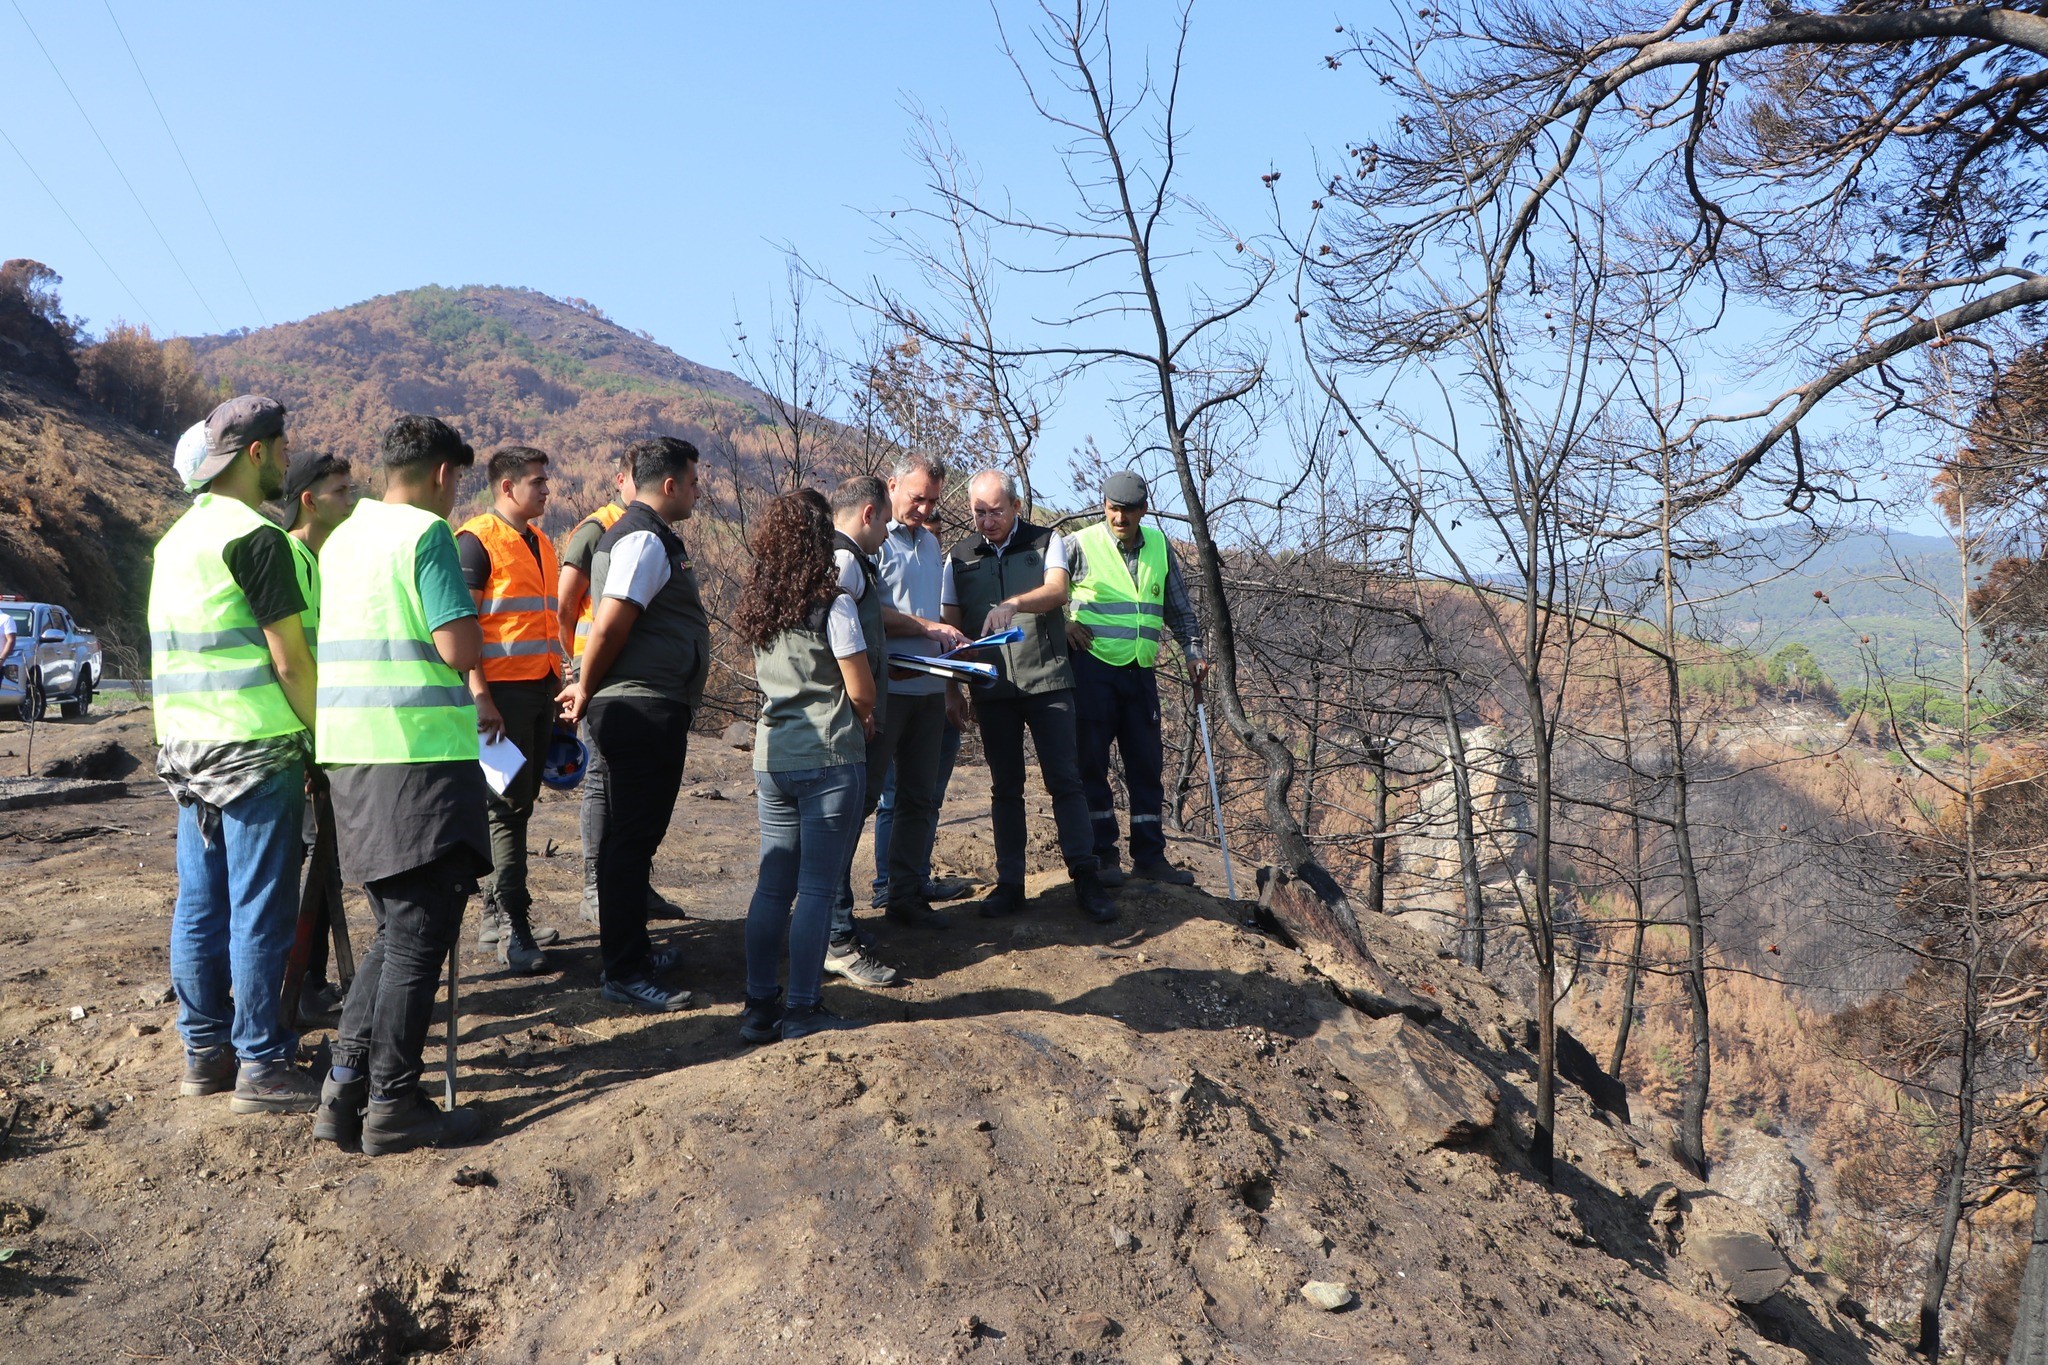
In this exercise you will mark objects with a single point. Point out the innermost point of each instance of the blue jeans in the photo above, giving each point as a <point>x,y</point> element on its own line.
<point>885,815</point>
<point>232,926</point>
<point>810,821</point>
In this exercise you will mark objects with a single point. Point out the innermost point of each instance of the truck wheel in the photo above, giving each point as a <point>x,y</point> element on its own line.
<point>81,702</point>
<point>33,702</point>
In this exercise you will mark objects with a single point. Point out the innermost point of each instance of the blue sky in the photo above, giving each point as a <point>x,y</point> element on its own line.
<point>650,158</point>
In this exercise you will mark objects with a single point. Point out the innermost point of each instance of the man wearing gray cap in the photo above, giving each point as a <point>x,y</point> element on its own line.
<point>1126,587</point>
<point>232,688</point>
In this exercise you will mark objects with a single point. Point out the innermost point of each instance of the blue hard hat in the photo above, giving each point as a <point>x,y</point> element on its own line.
<point>567,758</point>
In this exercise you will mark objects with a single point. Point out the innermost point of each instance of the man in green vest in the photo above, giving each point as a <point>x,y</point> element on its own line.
<point>1127,588</point>
<point>1012,573</point>
<point>396,730</point>
<point>319,493</point>
<point>232,686</point>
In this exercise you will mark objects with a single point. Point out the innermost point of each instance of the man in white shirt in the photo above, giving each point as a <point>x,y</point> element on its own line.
<point>910,575</point>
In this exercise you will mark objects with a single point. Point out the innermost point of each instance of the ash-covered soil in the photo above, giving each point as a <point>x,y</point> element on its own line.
<point>1058,1142</point>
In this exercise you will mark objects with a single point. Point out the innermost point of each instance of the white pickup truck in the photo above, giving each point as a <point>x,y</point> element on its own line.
<point>53,659</point>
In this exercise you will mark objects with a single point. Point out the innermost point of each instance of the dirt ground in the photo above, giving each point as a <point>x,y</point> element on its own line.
<point>1059,1141</point>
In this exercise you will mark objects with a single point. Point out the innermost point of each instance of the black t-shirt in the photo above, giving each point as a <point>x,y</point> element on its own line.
<point>476,560</point>
<point>262,566</point>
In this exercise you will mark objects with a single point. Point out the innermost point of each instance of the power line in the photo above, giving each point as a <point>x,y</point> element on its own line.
<point>187,165</point>
<point>79,230</point>
<point>117,168</point>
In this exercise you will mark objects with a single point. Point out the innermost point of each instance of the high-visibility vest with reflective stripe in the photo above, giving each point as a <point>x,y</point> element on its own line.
<point>1125,617</point>
<point>519,612</point>
<point>385,695</point>
<point>210,673</point>
<point>606,516</point>
<point>308,565</point>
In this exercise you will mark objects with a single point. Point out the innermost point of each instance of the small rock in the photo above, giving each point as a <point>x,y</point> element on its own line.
<point>162,995</point>
<point>1328,1295</point>
<point>970,1325</point>
<point>144,1030</point>
<point>708,793</point>
<point>1341,1096</point>
<point>602,1358</point>
<point>79,1012</point>
<point>1096,1327</point>
<point>739,735</point>
<point>1122,1240</point>
<point>471,1177</point>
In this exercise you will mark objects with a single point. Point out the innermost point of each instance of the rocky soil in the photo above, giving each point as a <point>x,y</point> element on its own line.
<point>1058,1142</point>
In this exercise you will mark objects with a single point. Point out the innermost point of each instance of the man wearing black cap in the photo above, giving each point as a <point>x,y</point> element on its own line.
<point>319,493</point>
<point>1126,587</point>
<point>232,688</point>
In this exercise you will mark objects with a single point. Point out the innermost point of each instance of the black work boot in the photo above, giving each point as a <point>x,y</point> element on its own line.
<point>415,1121</point>
<point>1093,898</point>
<point>915,912</point>
<point>339,1118</point>
<point>761,1020</point>
<point>1006,899</point>
<point>516,949</point>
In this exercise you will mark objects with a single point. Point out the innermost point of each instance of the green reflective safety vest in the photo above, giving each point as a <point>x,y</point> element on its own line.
<point>385,695</point>
<point>308,565</point>
<point>1126,618</point>
<point>210,673</point>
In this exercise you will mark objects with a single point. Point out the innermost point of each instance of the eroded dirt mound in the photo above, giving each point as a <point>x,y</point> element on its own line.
<point>1059,1142</point>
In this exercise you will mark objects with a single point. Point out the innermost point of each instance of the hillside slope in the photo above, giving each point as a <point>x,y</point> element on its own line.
<point>504,365</point>
<point>1060,1141</point>
<point>83,498</point>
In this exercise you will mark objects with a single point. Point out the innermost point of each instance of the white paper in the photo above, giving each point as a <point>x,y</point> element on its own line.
<point>501,761</point>
<point>958,670</point>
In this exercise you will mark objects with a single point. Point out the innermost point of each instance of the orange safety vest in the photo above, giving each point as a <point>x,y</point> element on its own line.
<point>606,516</point>
<point>519,611</point>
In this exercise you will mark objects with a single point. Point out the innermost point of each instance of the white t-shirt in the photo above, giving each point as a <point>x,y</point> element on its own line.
<point>639,569</point>
<point>851,579</point>
<point>842,628</point>
<point>1055,558</point>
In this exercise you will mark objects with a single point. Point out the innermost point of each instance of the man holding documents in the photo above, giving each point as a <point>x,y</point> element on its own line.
<point>509,564</point>
<point>1011,577</point>
<point>910,573</point>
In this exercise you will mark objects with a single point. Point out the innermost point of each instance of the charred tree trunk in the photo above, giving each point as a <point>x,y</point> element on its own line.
<point>1957,1181</point>
<point>1376,876</point>
<point>2030,1336</point>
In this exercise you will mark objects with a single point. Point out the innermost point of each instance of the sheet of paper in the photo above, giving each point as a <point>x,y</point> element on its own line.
<point>502,761</point>
<point>959,670</point>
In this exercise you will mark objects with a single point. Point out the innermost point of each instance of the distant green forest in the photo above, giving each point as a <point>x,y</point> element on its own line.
<point>1895,590</point>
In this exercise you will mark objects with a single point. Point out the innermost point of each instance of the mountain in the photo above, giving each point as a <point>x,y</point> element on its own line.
<point>1882,585</point>
<point>505,366</point>
<point>83,498</point>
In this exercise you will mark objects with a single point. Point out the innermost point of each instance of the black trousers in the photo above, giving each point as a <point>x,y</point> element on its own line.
<point>529,712</point>
<point>644,741</point>
<point>1119,704</point>
<point>419,917</point>
<point>1050,718</point>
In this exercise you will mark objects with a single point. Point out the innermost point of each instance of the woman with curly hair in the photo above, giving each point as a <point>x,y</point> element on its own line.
<point>810,759</point>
